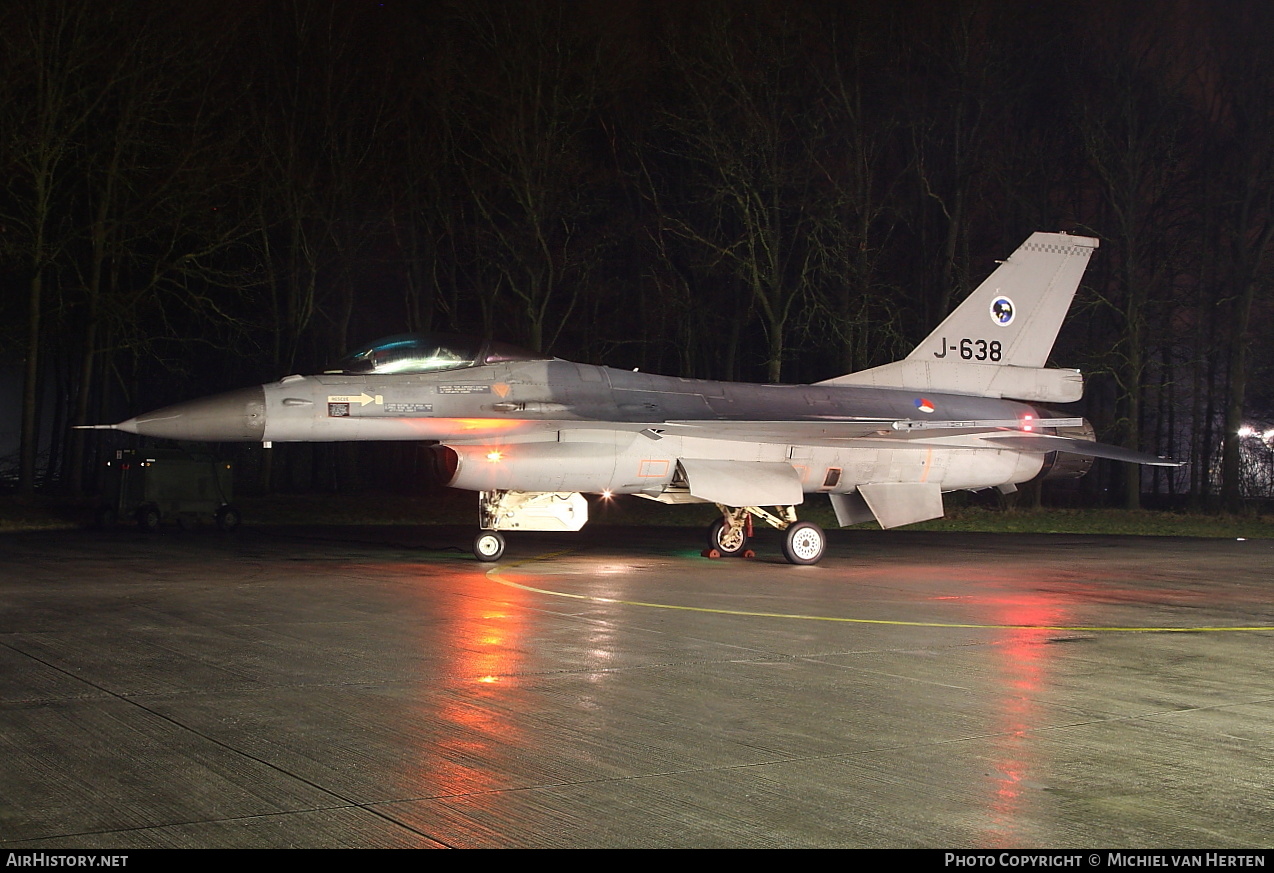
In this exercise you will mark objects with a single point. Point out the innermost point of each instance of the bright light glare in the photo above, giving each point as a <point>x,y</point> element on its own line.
<point>495,456</point>
<point>1248,430</point>
<point>606,495</point>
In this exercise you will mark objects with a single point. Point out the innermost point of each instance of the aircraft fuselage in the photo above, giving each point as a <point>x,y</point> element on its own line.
<point>561,426</point>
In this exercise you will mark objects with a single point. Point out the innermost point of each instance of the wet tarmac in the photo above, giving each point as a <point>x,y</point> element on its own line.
<point>373,687</point>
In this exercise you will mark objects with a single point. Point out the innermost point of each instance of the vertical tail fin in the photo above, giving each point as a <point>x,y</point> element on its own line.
<point>1013,317</point>
<point>996,342</point>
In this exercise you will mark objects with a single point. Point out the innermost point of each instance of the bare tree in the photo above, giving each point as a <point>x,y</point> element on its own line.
<point>150,196</point>
<point>525,112</point>
<point>1242,123</point>
<point>321,117</point>
<point>58,68</point>
<point>1132,122</point>
<point>746,133</point>
<point>864,176</point>
<point>959,89</point>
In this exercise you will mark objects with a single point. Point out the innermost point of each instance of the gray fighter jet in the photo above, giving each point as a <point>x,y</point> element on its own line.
<point>533,434</point>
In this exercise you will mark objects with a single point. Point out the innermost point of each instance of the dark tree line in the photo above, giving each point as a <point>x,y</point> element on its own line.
<point>199,198</point>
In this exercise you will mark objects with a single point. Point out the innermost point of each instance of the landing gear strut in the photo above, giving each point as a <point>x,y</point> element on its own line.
<point>804,542</point>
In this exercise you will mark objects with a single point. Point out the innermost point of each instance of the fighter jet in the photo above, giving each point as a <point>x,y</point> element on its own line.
<point>532,434</point>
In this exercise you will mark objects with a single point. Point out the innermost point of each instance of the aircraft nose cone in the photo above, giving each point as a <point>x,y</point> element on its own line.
<point>236,416</point>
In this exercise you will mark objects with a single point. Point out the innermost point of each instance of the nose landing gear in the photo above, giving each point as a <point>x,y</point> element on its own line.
<point>488,545</point>
<point>524,510</point>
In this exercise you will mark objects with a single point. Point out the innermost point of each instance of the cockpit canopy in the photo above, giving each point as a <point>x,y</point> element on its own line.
<point>428,353</point>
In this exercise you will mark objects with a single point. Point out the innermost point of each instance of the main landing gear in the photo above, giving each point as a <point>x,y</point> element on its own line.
<point>729,540</point>
<point>803,542</point>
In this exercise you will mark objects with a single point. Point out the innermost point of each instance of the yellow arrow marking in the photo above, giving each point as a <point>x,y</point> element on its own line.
<point>360,399</point>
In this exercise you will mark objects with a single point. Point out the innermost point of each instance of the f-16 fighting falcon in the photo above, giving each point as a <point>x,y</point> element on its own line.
<point>533,434</point>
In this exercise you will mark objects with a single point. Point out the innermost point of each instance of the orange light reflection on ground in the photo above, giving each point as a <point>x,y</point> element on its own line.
<point>1023,661</point>
<point>471,712</point>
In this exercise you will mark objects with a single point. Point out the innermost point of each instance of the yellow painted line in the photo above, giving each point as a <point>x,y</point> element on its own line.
<point>494,575</point>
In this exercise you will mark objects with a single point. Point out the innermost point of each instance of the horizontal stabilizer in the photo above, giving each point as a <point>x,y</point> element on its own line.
<point>1044,444</point>
<point>743,483</point>
<point>897,503</point>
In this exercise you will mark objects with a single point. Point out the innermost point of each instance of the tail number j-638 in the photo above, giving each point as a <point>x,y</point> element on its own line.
<point>973,349</point>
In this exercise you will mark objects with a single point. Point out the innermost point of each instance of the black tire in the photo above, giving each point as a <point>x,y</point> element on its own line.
<point>228,518</point>
<point>148,518</point>
<point>488,546</point>
<point>804,543</point>
<point>106,517</point>
<point>714,540</point>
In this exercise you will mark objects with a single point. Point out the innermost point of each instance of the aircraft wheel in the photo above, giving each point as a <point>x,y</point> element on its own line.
<point>488,546</point>
<point>805,543</point>
<point>730,546</point>
<point>228,518</point>
<point>106,516</point>
<point>148,518</point>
